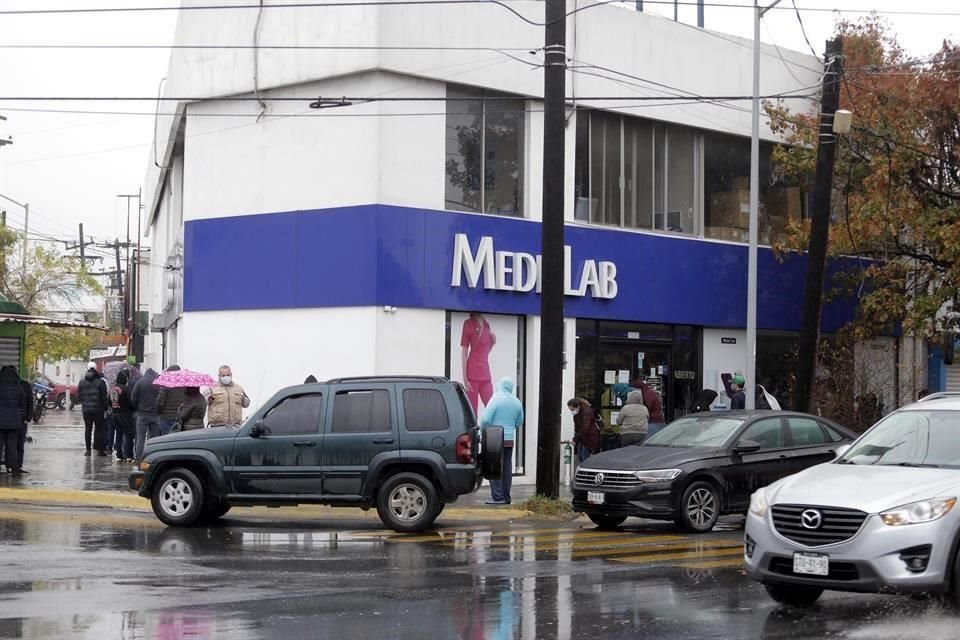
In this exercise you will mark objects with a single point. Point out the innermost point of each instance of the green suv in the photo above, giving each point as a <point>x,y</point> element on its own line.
<point>406,445</point>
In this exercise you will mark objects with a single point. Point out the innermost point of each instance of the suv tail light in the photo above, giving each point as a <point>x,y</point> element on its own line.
<point>465,449</point>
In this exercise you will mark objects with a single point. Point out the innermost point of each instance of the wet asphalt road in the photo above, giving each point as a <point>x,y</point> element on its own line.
<point>99,574</point>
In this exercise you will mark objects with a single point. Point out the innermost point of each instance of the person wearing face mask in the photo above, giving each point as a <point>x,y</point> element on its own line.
<point>586,434</point>
<point>226,401</point>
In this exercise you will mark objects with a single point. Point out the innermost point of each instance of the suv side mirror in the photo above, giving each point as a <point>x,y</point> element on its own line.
<point>747,446</point>
<point>258,429</point>
<point>842,449</point>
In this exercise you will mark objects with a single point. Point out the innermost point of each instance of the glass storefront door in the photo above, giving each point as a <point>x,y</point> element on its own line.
<point>626,363</point>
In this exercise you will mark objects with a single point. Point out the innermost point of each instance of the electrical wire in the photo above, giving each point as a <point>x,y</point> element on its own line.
<point>345,101</point>
<point>401,3</point>
<point>803,30</point>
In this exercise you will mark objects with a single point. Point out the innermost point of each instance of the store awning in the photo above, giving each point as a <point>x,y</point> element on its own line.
<point>56,323</point>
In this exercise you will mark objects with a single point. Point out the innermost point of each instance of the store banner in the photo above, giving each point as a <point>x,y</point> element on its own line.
<point>375,255</point>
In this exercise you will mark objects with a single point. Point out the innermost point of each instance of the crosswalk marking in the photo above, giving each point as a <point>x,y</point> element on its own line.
<point>731,563</point>
<point>583,543</point>
<point>682,555</point>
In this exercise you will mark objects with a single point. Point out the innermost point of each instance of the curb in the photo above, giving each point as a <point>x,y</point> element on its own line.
<point>131,502</point>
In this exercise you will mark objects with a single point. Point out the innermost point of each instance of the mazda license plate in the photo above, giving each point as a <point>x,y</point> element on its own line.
<point>595,497</point>
<point>811,564</point>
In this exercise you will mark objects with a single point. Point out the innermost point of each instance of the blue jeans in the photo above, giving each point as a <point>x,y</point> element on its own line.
<point>111,433</point>
<point>584,453</point>
<point>165,426</point>
<point>500,489</point>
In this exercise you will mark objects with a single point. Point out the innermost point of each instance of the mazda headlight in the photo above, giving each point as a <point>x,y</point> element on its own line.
<point>758,503</point>
<point>918,512</point>
<point>657,475</point>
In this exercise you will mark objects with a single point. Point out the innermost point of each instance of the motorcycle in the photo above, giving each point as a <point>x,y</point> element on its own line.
<point>41,394</point>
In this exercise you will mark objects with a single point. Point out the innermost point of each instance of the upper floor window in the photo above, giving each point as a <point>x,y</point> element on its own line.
<point>484,152</point>
<point>636,173</point>
<point>726,185</point>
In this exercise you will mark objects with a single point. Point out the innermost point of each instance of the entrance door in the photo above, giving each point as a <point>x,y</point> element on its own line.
<point>626,363</point>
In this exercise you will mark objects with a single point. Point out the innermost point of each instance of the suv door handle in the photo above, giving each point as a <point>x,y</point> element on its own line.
<point>383,441</point>
<point>305,443</point>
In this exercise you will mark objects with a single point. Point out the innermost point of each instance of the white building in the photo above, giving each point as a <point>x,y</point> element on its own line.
<point>357,239</point>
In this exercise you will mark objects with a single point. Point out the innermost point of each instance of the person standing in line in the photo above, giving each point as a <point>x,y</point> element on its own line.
<point>633,419</point>
<point>193,409</point>
<point>609,436</point>
<point>27,417</point>
<point>739,399</point>
<point>13,406</point>
<point>226,401</point>
<point>144,400</point>
<point>654,404</point>
<point>476,343</point>
<point>586,435</point>
<point>92,392</point>
<point>169,400</point>
<point>504,410</point>
<point>122,407</point>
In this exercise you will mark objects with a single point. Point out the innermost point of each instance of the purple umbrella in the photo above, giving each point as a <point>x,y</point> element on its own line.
<point>184,378</point>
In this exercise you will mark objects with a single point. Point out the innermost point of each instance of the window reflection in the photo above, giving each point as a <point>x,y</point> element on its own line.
<point>484,152</point>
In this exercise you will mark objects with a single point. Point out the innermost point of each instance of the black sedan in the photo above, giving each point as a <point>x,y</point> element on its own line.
<point>703,466</point>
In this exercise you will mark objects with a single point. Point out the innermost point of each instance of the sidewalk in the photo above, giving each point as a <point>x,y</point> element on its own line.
<point>59,474</point>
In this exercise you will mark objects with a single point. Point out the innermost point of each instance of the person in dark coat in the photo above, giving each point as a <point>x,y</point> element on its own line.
<point>144,399</point>
<point>169,400</point>
<point>193,409</point>
<point>654,404</point>
<point>704,401</point>
<point>586,434</point>
<point>92,392</point>
<point>122,407</point>
<point>27,417</point>
<point>739,399</point>
<point>13,407</point>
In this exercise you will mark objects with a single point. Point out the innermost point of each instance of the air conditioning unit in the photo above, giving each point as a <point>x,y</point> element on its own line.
<point>156,323</point>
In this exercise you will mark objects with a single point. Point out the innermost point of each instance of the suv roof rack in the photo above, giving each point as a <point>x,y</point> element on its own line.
<point>940,395</point>
<point>387,379</point>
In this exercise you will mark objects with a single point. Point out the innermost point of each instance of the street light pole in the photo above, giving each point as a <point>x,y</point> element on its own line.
<point>26,228</point>
<point>751,373</point>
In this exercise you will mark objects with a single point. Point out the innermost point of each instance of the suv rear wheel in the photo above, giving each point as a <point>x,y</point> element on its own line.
<point>794,595</point>
<point>177,498</point>
<point>491,453</point>
<point>408,502</point>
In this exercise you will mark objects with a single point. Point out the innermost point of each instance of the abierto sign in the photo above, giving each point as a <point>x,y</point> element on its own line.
<point>519,271</point>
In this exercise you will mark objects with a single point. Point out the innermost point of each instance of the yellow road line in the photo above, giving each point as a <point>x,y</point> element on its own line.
<point>732,563</point>
<point>97,518</point>
<point>651,558</point>
<point>577,541</point>
<point>692,546</point>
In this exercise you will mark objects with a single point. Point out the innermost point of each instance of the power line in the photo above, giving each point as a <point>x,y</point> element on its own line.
<point>346,101</point>
<point>803,30</point>
<point>390,3</point>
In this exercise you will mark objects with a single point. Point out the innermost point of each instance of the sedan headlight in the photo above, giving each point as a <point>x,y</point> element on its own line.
<point>918,512</point>
<point>758,503</point>
<point>657,475</point>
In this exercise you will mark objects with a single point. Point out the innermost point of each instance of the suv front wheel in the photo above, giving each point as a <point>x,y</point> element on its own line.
<point>177,498</point>
<point>794,595</point>
<point>408,502</point>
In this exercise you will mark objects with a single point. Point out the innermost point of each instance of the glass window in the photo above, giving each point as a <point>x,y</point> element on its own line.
<point>633,173</point>
<point>484,152</point>
<point>835,436</point>
<point>425,410</point>
<point>681,181</point>
<point>911,438</point>
<point>362,411</point>
<point>806,432</point>
<point>768,433</point>
<point>638,173</point>
<point>295,415</point>
<point>695,431</point>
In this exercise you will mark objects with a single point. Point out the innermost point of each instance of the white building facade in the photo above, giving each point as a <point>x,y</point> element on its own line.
<point>395,230</point>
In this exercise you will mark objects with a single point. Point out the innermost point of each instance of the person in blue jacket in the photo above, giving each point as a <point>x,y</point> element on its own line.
<point>504,410</point>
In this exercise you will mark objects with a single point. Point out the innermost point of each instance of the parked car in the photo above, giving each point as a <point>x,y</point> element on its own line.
<point>57,399</point>
<point>880,518</point>
<point>405,445</point>
<point>702,466</point>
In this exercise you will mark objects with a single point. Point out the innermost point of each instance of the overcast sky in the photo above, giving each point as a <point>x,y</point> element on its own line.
<point>70,167</point>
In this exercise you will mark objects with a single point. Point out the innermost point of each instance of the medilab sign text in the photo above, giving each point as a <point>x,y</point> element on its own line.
<point>518,271</point>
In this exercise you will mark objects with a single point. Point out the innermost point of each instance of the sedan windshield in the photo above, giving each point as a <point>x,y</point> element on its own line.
<point>910,439</point>
<point>695,431</point>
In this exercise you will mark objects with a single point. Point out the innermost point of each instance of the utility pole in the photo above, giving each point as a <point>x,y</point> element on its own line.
<point>551,297</point>
<point>819,229</point>
<point>26,231</point>
<point>83,257</point>
<point>116,249</point>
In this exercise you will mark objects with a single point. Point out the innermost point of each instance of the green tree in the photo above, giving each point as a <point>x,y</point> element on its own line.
<point>50,281</point>
<point>896,201</point>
